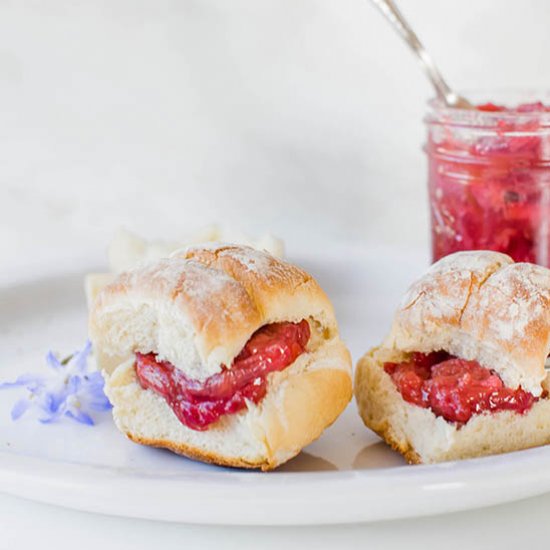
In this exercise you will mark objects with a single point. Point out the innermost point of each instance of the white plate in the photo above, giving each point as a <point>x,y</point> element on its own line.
<point>348,475</point>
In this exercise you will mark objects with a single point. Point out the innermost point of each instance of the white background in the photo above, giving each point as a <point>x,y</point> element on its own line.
<point>301,117</point>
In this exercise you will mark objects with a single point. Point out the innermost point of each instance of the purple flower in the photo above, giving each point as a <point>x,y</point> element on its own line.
<point>70,390</point>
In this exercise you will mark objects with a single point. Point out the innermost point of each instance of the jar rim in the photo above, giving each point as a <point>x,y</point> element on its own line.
<point>507,97</point>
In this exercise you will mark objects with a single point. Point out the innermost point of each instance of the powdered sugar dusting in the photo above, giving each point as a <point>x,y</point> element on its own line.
<point>253,260</point>
<point>163,274</point>
<point>486,306</point>
<point>212,246</point>
<point>201,282</point>
<point>444,291</point>
<point>471,260</point>
<point>518,296</point>
<point>252,268</point>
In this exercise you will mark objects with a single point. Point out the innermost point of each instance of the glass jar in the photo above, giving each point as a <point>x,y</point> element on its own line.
<point>489,176</point>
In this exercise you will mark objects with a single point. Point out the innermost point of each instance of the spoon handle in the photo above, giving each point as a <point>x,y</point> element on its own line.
<point>394,16</point>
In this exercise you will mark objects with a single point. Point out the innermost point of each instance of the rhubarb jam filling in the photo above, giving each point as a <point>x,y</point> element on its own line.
<point>454,388</point>
<point>197,404</point>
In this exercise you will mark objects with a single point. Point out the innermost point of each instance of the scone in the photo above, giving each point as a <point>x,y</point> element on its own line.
<point>221,353</point>
<point>462,372</point>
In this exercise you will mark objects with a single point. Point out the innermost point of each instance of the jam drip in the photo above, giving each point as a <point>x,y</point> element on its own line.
<point>197,404</point>
<point>454,388</point>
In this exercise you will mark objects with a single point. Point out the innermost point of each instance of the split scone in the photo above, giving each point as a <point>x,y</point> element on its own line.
<point>462,372</point>
<point>221,353</point>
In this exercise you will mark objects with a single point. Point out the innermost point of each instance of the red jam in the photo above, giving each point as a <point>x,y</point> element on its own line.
<point>454,388</point>
<point>489,181</point>
<point>197,404</point>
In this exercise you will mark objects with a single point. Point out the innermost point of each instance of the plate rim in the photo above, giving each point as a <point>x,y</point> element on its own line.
<point>217,496</point>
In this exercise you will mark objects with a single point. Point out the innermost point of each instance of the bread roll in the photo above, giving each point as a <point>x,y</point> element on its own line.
<point>197,310</point>
<point>478,306</point>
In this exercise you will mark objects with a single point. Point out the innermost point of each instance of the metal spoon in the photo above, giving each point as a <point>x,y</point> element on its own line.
<point>444,93</point>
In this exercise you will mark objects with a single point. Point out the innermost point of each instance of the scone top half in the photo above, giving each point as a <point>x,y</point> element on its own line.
<point>481,306</point>
<point>198,308</point>
<point>196,311</point>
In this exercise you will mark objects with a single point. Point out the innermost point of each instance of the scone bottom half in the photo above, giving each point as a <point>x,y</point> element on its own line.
<point>221,353</point>
<point>462,371</point>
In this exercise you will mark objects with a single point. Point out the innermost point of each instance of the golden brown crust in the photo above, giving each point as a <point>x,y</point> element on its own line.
<point>312,401</point>
<point>512,311</point>
<point>278,290</point>
<point>198,308</point>
<point>214,305</point>
<point>441,295</point>
<point>405,449</point>
<point>199,454</point>
<point>261,275</point>
<point>480,305</point>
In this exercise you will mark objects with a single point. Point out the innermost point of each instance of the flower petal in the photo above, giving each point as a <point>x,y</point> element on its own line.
<point>102,405</point>
<point>54,401</point>
<point>80,416</point>
<point>20,408</point>
<point>73,384</point>
<point>91,394</point>
<point>70,390</point>
<point>28,380</point>
<point>80,358</point>
<point>52,361</point>
<point>48,419</point>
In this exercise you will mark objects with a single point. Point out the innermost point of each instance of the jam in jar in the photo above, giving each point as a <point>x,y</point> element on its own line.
<point>489,178</point>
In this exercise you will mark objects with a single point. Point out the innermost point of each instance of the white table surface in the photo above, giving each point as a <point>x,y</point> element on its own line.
<point>28,525</point>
